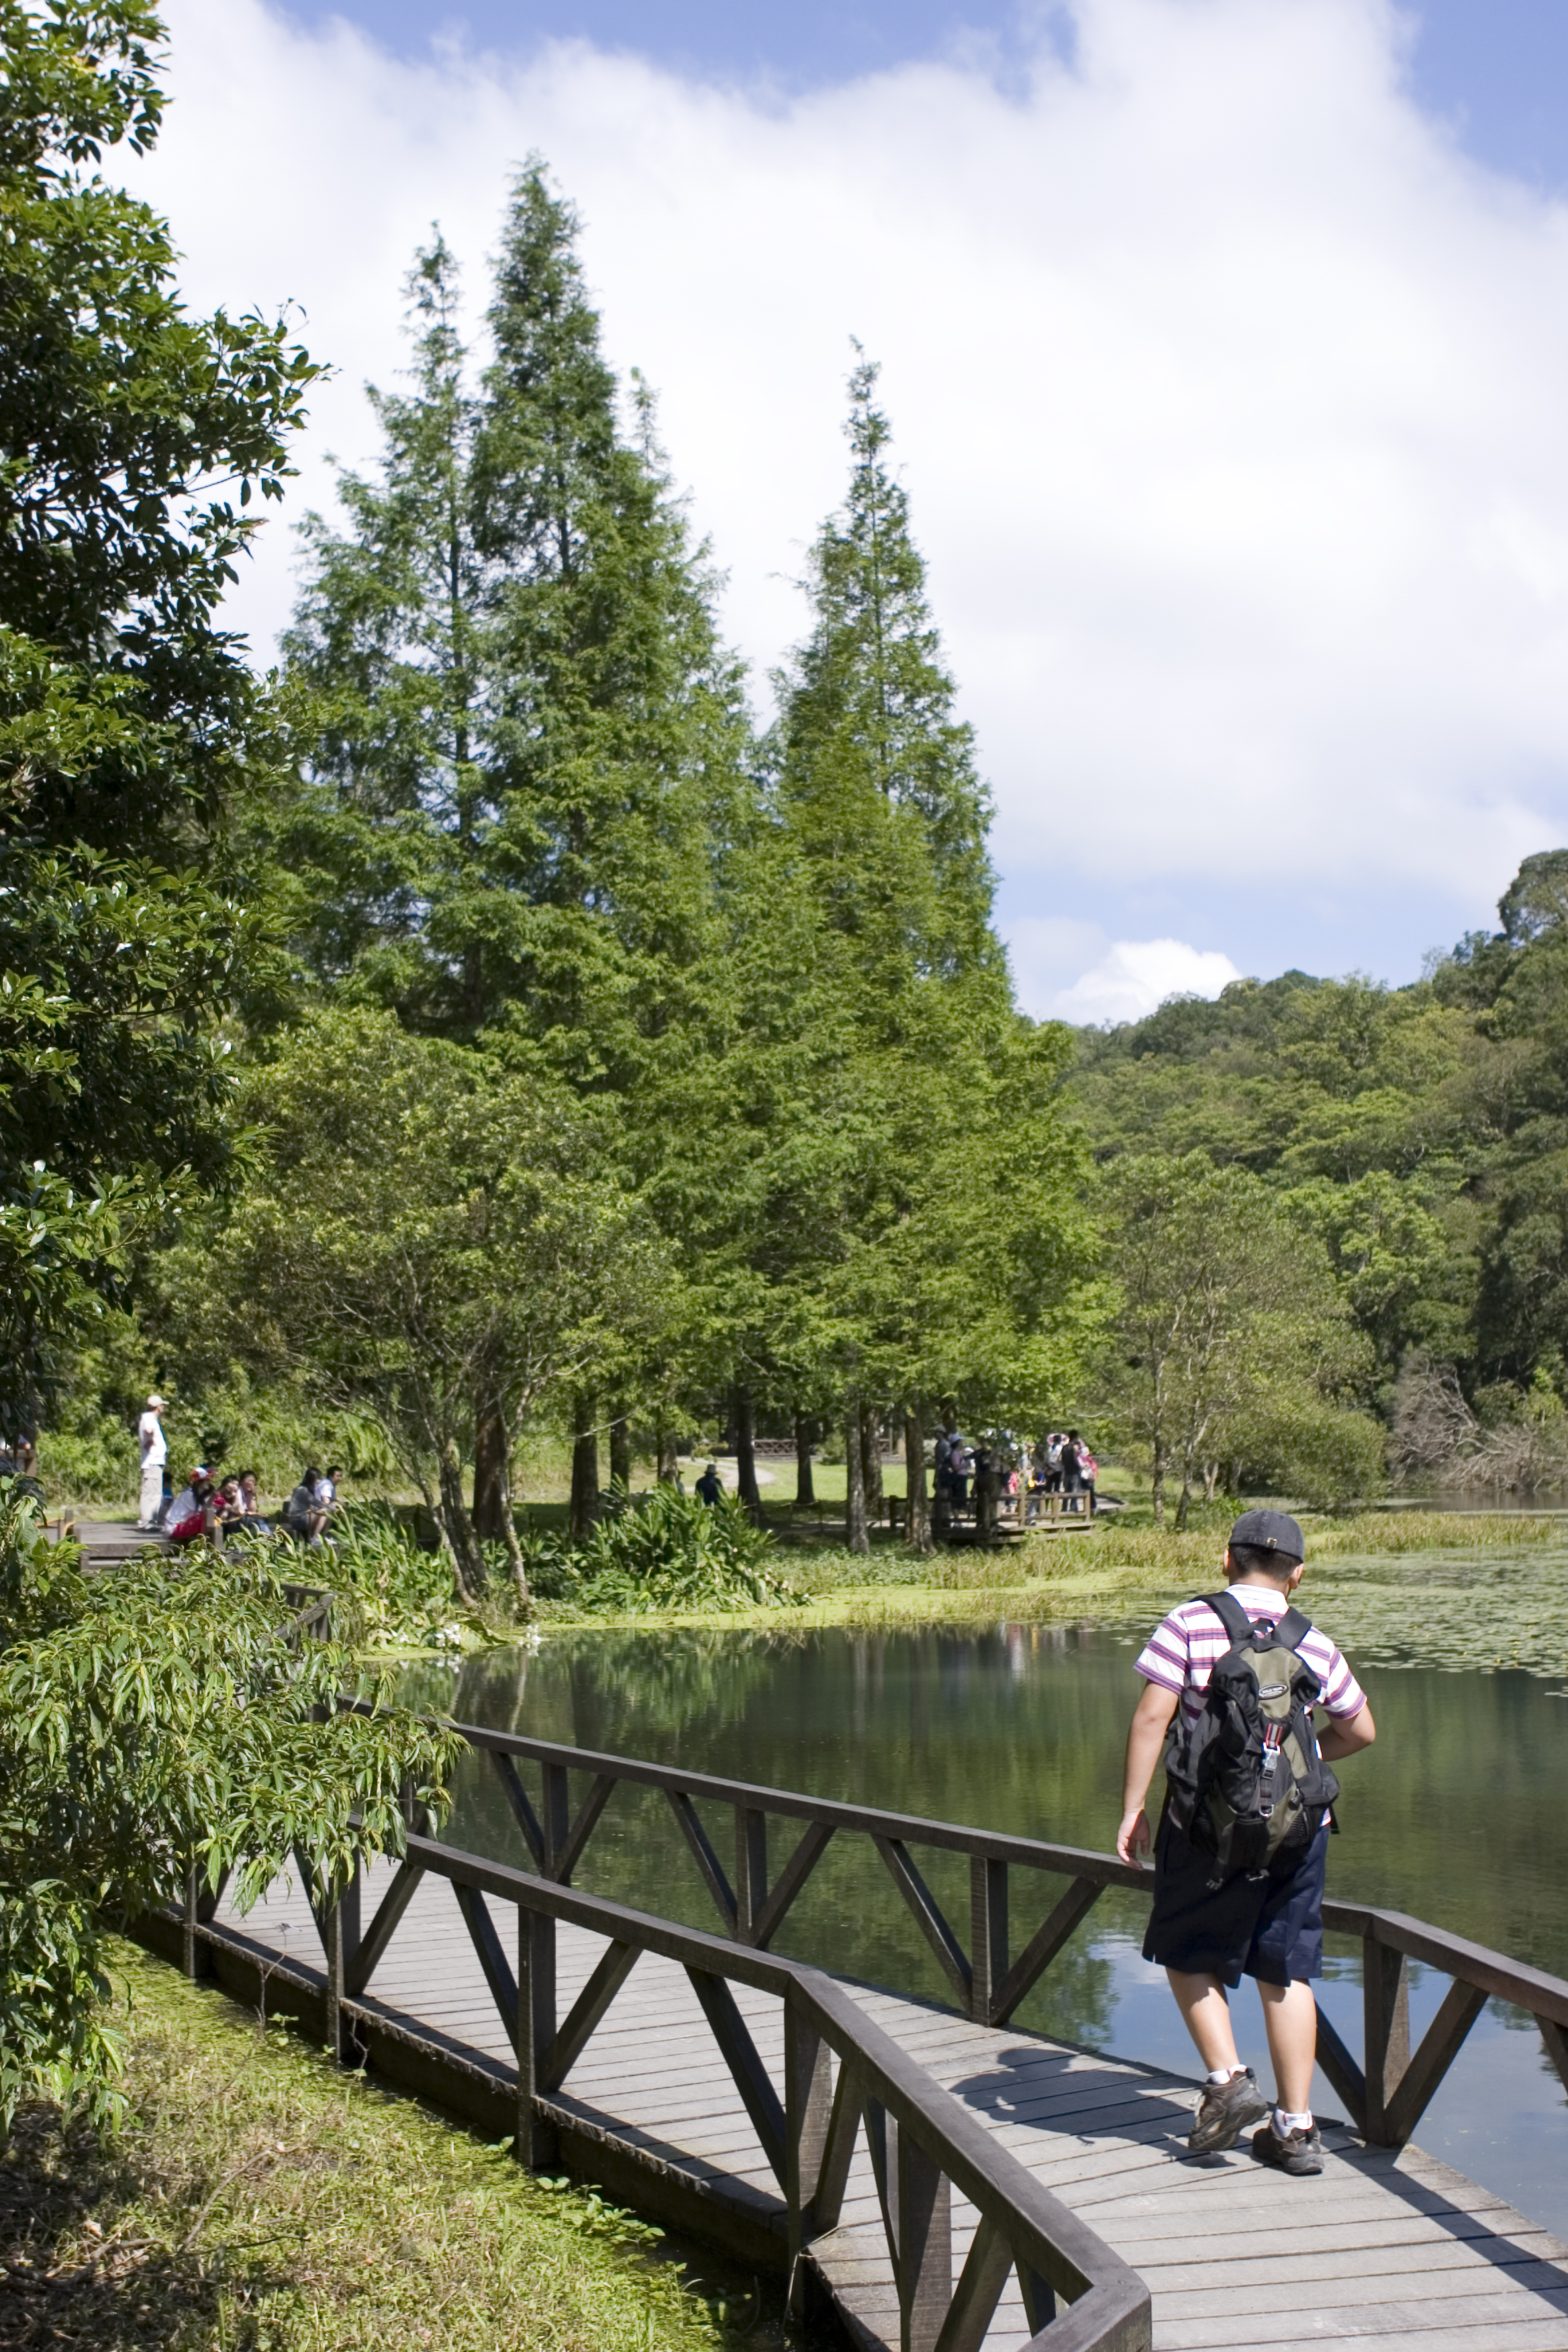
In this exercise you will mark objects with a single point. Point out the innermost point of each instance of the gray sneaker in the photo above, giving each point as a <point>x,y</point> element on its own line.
<point>1301,2153</point>
<point>1224,2113</point>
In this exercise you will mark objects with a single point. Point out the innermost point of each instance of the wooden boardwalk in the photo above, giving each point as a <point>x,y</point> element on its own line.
<point>1394,2252</point>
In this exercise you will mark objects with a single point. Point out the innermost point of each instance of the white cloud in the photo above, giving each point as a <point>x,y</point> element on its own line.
<point>1228,393</point>
<point>1136,976</point>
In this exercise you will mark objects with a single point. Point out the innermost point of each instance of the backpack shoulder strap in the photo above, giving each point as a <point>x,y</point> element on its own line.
<point>1293,1629</point>
<point>1230,1611</point>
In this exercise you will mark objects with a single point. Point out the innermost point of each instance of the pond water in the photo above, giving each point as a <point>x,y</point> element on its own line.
<point>1459,1814</point>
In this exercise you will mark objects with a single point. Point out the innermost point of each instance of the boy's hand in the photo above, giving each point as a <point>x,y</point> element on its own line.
<point>1132,1839</point>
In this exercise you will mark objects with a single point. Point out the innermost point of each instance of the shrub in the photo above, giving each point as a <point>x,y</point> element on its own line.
<point>662,1550</point>
<point>407,1595</point>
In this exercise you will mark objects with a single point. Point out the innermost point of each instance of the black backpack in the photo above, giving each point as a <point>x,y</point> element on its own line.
<point>1246,1782</point>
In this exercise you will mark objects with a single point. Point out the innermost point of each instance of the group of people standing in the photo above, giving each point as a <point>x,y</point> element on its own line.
<point>998,1465</point>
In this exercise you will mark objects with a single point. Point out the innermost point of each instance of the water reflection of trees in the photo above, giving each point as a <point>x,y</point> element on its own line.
<point>1019,1727</point>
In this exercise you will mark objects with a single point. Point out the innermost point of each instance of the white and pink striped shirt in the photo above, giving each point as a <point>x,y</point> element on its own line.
<point>1184,1650</point>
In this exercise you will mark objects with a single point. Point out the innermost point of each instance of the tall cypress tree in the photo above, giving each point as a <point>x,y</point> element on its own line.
<point>528,744</point>
<point>952,1239</point>
<point>389,653</point>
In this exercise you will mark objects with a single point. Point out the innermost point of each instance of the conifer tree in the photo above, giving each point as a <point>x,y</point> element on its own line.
<point>528,743</point>
<point>952,1238</point>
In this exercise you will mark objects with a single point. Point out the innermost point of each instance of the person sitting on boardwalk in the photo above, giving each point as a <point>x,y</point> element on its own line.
<point>304,1516</point>
<point>1240,1853</point>
<point>195,1513</point>
<point>254,1518</point>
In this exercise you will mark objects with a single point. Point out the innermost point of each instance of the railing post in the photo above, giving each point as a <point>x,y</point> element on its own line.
<point>808,2108</point>
<point>535,2142</point>
<point>987,1933</point>
<point>195,1958</point>
<point>924,2225</point>
<point>341,1937</point>
<point>751,1869</point>
<point>556,1819</point>
<point>1385,2003</point>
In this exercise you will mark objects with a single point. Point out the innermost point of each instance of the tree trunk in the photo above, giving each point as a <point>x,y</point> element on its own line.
<point>492,1494</point>
<point>805,1488</point>
<point>668,1459</point>
<point>458,1527</point>
<point>1182,1499</point>
<point>854,1533</point>
<point>871,1459</point>
<point>746,1456</point>
<point>621,1458</point>
<point>917,1533</point>
<point>584,1508</point>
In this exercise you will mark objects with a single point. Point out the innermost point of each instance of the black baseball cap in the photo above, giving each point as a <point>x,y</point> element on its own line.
<point>1270,1531</point>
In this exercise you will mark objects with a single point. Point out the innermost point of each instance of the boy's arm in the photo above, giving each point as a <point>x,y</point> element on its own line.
<point>1145,1742</point>
<point>1343,1736</point>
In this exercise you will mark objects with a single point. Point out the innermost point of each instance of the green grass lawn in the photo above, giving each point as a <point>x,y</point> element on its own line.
<point>258,2200</point>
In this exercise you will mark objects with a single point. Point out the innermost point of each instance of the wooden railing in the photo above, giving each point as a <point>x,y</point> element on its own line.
<point>843,2077</point>
<point>1386,2094</point>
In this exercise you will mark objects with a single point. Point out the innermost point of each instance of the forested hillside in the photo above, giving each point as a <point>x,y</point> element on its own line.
<point>1420,1135</point>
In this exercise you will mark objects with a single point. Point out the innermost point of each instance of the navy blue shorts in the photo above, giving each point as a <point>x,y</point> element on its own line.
<point>1271,1928</point>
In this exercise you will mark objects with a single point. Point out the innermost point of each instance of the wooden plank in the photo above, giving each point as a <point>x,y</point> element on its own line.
<point>1422,2285</point>
<point>1043,1947</point>
<point>1471,2255</point>
<point>708,1862</point>
<point>740,2053</point>
<point>1427,2333</point>
<point>582,1829</point>
<point>522,1806</point>
<point>927,1913</point>
<point>585,2014</point>
<point>814,1840</point>
<point>1440,2045</point>
<point>979,2290</point>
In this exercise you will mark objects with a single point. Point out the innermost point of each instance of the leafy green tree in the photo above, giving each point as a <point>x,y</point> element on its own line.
<point>1229,1343</point>
<point>942,1253</point>
<point>527,772</point>
<point>153,1727</point>
<point>429,1239</point>
<point>132,439</point>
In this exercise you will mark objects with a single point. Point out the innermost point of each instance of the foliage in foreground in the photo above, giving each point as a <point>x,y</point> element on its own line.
<point>155,1722</point>
<point>666,1550</point>
<point>257,2196</point>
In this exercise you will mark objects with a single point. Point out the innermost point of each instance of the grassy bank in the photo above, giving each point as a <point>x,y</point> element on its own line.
<point>1067,1575</point>
<point>259,2201</point>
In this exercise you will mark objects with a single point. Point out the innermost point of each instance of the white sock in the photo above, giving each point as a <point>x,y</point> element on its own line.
<point>1285,2123</point>
<point>1218,2075</point>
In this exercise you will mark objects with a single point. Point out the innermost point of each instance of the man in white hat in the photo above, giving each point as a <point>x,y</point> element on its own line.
<point>154,1453</point>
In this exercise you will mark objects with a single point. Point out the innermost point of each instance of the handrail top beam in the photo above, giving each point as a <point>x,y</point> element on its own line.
<point>959,1837</point>
<point>1493,1971</point>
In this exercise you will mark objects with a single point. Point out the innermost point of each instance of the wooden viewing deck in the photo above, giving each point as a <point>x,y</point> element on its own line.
<point>929,2178</point>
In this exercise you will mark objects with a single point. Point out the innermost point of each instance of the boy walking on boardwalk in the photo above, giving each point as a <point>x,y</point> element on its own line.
<point>1243,1891</point>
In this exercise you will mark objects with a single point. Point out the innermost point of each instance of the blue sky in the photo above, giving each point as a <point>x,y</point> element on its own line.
<point>1496,70</point>
<point>1225,350</point>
